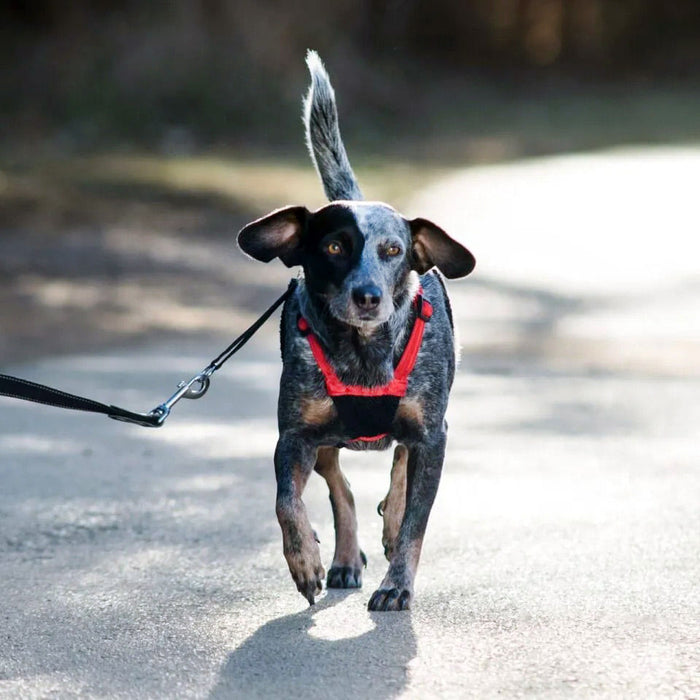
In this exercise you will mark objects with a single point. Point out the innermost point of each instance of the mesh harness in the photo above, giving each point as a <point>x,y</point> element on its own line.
<point>367,412</point>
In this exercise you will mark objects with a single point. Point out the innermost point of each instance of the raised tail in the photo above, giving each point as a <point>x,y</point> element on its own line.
<point>323,135</point>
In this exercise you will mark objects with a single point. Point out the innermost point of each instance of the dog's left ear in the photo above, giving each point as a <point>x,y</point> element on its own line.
<point>277,235</point>
<point>433,247</point>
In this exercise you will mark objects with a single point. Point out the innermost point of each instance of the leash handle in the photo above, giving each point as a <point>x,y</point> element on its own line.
<point>17,388</point>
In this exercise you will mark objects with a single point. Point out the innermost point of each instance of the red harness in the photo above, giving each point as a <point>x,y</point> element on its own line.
<point>339,391</point>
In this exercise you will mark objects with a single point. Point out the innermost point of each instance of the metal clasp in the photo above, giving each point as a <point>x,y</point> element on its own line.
<point>195,388</point>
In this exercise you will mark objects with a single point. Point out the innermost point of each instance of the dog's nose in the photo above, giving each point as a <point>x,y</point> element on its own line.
<point>367,296</point>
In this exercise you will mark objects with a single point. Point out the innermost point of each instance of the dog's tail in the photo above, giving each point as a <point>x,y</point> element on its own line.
<point>323,135</point>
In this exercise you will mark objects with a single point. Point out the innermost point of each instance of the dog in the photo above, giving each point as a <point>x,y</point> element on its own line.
<point>368,352</point>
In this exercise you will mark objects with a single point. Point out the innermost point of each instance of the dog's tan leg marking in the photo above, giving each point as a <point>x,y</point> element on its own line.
<point>394,504</point>
<point>317,411</point>
<point>411,410</point>
<point>346,570</point>
<point>298,540</point>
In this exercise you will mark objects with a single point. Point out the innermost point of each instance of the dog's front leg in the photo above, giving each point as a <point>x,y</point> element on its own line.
<point>348,560</point>
<point>393,506</point>
<point>294,461</point>
<point>423,476</point>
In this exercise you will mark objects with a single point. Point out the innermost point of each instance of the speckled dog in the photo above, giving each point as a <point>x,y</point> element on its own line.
<point>369,359</point>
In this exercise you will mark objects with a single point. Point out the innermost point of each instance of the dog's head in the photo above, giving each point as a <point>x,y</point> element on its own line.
<point>356,255</point>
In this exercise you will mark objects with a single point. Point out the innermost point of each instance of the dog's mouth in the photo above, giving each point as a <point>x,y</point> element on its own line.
<point>364,320</point>
<point>367,316</point>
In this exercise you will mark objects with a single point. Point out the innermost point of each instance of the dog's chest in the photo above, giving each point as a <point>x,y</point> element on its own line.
<point>364,370</point>
<point>355,363</point>
<point>363,383</point>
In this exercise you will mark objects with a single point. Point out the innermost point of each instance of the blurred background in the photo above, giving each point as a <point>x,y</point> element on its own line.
<point>137,137</point>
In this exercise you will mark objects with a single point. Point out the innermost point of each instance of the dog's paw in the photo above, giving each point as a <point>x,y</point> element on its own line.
<point>344,577</point>
<point>390,599</point>
<point>309,582</point>
<point>308,573</point>
<point>347,576</point>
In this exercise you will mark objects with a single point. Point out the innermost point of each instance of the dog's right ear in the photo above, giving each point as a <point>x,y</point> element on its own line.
<point>277,235</point>
<point>431,246</point>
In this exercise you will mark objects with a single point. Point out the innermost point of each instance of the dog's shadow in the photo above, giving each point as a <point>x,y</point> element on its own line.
<point>284,658</point>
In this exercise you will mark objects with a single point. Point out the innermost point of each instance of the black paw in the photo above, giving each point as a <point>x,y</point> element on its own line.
<point>344,577</point>
<point>310,588</point>
<point>308,579</point>
<point>390,599</point>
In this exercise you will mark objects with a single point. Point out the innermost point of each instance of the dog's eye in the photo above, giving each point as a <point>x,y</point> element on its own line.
<point>333,248</point>
<point>392,250</point>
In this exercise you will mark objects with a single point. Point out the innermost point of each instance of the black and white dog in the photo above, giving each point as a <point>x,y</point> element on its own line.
<point>369,357</point>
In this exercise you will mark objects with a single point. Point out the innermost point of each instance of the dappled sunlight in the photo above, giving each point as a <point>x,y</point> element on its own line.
<point>124,308</point>
<point>575,407</point>
<point>539,501</point>
<point>161,360</point>
<point>203,483</point>
<point>29,443</point>
<point>44,685</point>
<point>616,222</point>
<point>212,257</point>
<point>261,184</point>
<point>332,623</point>
<point>670,313</point>
<point>586,261</point>
<point>255,438</point>
<point>257,184</point>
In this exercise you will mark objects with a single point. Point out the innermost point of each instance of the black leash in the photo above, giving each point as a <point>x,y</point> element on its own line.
<point>195,388</point>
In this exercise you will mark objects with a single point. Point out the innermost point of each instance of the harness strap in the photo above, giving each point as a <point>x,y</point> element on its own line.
<point>398,385</point>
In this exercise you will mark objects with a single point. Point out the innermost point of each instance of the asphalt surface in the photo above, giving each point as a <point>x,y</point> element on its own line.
<point>563,553</point>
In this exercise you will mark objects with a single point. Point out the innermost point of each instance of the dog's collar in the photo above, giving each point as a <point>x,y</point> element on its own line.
<point>398,385</point>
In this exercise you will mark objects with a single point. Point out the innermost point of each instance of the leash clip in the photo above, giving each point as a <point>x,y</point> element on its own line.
<point>195,388</point>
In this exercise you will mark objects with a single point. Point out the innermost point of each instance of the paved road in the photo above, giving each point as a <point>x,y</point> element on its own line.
<point>563,554</point>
